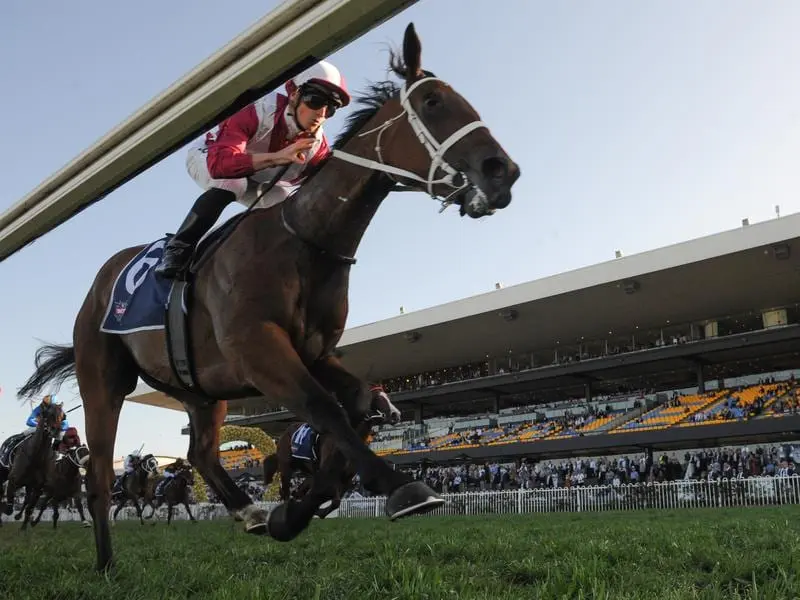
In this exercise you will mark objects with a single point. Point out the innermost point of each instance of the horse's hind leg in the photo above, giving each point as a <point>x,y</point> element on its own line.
<point>185,503</point>
<point>106,373</point>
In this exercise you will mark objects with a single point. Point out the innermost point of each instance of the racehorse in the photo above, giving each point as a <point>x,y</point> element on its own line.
<point>270,303</point>
<point>323,452</point>
<point>62,483</point>
<point>176,491</point>
<point>29,467</point>
<point>135,485</point>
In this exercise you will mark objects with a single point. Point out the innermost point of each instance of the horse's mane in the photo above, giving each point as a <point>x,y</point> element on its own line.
<point>371,101</point>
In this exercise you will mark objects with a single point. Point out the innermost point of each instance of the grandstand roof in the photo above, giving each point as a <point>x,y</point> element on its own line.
<point>724,274</point>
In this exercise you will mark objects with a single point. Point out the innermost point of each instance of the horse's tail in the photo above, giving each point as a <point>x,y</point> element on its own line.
<point>54,364</point>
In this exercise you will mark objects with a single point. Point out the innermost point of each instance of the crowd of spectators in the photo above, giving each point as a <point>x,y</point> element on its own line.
<point>722,463</point>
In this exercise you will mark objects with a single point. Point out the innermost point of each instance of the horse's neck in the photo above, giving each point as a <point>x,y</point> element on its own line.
<point>40,438</point>
<point>337,205</point>
<point>64,467</point>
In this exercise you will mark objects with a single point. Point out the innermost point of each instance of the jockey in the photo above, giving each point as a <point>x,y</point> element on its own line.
<point>246,150</point>
<point>33,419</point>
<point>128,464</point>
<point>128,468</point>
<point>169,474</point>
<point>70,440</point>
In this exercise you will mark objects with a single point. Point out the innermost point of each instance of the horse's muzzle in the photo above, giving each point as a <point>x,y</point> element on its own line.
<point>492,189</point>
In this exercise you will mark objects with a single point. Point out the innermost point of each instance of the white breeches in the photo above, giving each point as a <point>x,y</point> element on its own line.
<point>246,190</point>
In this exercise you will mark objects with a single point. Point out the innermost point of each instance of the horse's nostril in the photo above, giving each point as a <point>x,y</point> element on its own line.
<point>494,168</point>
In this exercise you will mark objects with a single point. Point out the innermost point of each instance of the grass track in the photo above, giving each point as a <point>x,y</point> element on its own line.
<point>706,553</point>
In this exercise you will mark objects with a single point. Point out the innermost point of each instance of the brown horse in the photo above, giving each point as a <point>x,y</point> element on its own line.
<point>319,451</point>
<point>270,304</point>
<point>29,468</point>
<point>175,491</point>
<point>63,482</point>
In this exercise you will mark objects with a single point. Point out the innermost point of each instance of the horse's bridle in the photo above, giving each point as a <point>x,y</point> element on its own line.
<point>454,179</point>
<point>72,455</point>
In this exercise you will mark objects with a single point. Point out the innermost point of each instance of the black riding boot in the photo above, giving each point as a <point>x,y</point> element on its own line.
<point>201,218</point>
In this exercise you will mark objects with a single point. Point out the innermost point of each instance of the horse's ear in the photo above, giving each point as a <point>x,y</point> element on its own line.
<point>412,54</point>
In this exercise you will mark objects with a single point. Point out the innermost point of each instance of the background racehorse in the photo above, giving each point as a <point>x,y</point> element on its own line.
<point>62,483</point>
<point>176,491</point>
<point>284,461</point>
<point>32,456</point>
<point>269,306</point>
<point>135,485</point>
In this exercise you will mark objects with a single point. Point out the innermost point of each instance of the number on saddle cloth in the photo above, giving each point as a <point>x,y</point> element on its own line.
<point>304,443</point>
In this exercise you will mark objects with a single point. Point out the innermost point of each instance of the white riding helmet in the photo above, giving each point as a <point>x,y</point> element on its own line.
<point>325,75</point>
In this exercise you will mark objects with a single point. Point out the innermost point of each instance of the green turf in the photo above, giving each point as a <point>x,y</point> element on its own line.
<point>706,553</point>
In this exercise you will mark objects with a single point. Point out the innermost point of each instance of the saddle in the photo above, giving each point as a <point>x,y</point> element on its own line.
<point>9,449</point>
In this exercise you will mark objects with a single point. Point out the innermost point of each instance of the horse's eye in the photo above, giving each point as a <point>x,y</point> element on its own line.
<point>432,101</point>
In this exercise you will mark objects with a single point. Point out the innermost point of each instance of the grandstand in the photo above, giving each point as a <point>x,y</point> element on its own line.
<point>665,349</point>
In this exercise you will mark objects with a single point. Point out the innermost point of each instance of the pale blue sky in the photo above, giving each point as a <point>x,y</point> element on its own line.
<point>636,125</point>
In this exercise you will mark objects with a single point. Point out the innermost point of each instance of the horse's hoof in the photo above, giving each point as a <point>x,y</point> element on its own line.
<point>278,525</point>
<point>87,524</point>
<point>414,498</point>
<point>255,519</point>
<point>288,520</point>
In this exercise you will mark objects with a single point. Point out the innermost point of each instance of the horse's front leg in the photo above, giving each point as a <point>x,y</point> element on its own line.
<point>139,510</point>
<point>277,371</point>
<point>79,505</point>
<point>55,514</point>
<point>47,500</point>
<point>30,505</point>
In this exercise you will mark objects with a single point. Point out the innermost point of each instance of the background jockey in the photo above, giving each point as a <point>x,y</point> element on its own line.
<point>71,439</point>
<point>33,419</point>
<point>248,149</point>
<point>169,474</point>
<point>129,460</point>
<point>128,468</point>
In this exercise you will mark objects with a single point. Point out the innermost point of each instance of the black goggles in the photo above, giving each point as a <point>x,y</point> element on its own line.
<point>316,100</point>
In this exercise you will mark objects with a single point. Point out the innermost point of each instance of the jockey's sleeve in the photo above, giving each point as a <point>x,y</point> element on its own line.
<point>227,156</point>
<point>31,422</point>
<point>64,425</point>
